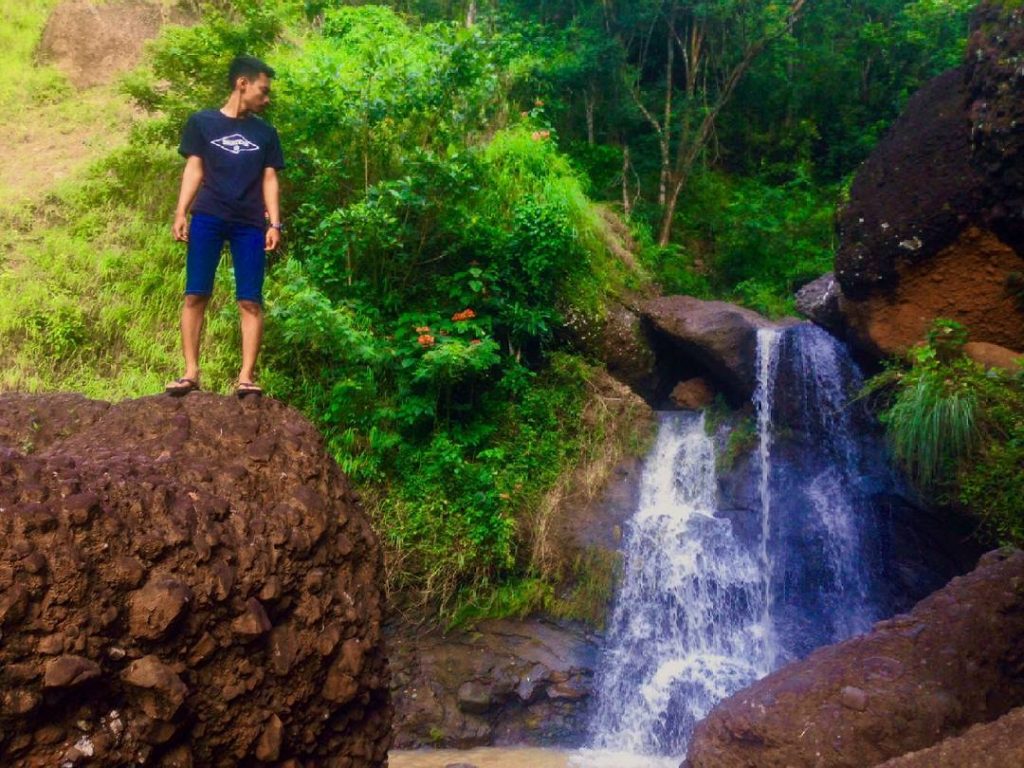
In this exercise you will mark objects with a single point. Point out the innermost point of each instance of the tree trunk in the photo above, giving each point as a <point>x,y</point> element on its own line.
<point>588,105</point>
<point>627,203</point>
<point>689,149</point>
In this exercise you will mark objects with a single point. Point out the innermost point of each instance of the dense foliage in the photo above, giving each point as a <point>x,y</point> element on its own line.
<point>436,239</point>
<point>958,429</point>
<point>444,159</point>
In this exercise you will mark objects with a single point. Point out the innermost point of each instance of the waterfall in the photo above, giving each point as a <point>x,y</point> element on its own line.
<point>688,626</point>
<point>704,608</point>
<point>767,342</point>
<point>821,516</point>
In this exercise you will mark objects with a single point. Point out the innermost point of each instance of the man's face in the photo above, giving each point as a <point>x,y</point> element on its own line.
<point>255,93</point>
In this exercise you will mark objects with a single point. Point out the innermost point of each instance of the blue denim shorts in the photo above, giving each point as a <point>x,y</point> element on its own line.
<point>206,236</point>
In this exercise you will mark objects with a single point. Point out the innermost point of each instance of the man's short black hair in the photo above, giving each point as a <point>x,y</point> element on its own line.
<point>249,67</point>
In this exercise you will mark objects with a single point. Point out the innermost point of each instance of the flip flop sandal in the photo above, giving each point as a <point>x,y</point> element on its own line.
<point>246,388</point>
<point>182,386</point>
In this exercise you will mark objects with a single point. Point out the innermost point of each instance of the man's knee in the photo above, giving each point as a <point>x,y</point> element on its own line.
<point>250,307</point>
<point>196,300</point>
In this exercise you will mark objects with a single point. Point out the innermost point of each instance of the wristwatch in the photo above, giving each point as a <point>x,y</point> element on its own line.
<point>278,227</point>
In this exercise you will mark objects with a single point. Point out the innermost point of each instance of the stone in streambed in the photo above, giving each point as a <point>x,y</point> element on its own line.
<point>714,336</point>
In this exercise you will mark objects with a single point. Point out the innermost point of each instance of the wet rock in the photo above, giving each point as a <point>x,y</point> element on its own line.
<point>999,744</point>
<point>717,337</point>
<point>507,681</point>
<point>693,394</point>
<point>474,697</point>
<point>819,301</point>
<point>913,681</point>
<point>133,616</point>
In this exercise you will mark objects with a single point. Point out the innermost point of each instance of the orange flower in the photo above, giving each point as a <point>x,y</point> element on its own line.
<point>422,329</point>
<point>538,103</point>
<point>466,314</point>
<point>475,341</point>
<point>426,340</point>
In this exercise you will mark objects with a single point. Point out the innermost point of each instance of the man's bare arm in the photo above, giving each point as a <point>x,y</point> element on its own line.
<point>272,199</point>
<point>191,178</point>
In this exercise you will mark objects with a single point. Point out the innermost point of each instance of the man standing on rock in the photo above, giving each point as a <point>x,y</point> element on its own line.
<point>229,186</point>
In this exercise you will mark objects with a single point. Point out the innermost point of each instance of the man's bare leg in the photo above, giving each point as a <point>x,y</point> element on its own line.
<point>251,314</point>
<point>192,314</point>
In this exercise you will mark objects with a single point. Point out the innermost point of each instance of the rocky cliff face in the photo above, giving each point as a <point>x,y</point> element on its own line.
<point>183,582</point>
<point>935,222</point>
<point>504,682</point>
<point>915,680</point>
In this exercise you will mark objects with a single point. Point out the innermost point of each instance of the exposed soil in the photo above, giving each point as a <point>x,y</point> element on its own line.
<point>94,42</point>
<point>968,280</point>
<point>935,222</point>
<point>184,582</point>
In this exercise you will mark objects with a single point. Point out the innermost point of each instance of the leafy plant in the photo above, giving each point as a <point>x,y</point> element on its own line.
<point>958,429</point>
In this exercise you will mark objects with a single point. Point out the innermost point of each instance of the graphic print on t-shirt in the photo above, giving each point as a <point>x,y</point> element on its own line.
<point>235,143</point>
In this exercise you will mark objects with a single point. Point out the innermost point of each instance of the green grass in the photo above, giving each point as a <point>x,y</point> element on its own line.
<point>958,431</point>
<point>52,130</point>
<point>90,287</point>
<point>932,425</point>
<point>23,83</point>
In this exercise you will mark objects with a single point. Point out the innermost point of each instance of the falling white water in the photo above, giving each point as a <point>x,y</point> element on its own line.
<point>824,487</point>
<point>688,628</point>
<point>702,612</point>
<point>767,361</point>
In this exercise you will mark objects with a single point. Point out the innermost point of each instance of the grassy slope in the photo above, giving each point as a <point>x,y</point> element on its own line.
<point>79,308</point>
<point>52,129</point>
<point>90,279</point>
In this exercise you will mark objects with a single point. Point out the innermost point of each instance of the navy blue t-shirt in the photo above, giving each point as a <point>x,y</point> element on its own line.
<point>234,152</point>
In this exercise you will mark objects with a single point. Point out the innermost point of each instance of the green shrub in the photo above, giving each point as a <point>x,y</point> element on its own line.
<point>958,429</point>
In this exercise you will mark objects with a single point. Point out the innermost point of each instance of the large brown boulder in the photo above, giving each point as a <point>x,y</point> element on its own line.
<point>954,661</point>
<point>712,338</point>
<point>999,744</point>
<point>935,222</point>
<point>966,281</point>
<point>183,582</point>
<point>996,113</point>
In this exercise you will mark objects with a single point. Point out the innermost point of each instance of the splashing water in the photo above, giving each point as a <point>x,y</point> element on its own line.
<point>688,627</point>
<point>702,613</point>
